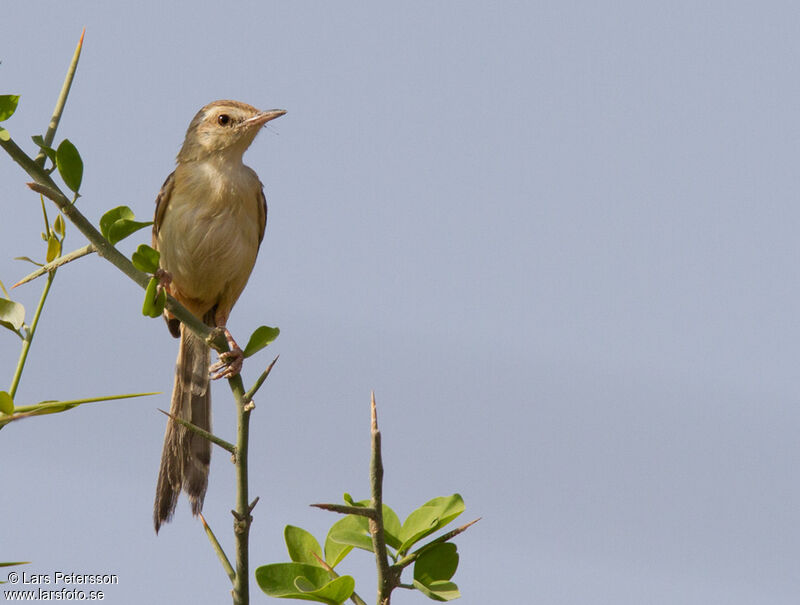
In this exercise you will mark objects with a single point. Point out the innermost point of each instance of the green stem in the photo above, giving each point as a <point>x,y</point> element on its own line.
<point>26,343</point>
<point>242,517</point>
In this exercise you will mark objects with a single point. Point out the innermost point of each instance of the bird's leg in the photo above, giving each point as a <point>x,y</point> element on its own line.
<point>230,362</point>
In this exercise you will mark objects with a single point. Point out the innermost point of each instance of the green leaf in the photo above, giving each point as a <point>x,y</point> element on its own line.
<point>6,403</point>
<point>12,314</point>
<point>433,569</point>
<point>439,562</point>
<point>336,551</point>
<point>53,248</point>
<point>259,339</point>
<point>122,228</point>
<point>8,105</point>
<point>70,165</point>
<point>58,226</point>
<point>4,135</point>
<point>154,299</point>
<point>150,298</point>
<point>118,223</point>
<point>146,259</point>
<point>30,260</point>
<point>304,582</point>
<point>438,591</point>
<point>49,151</point>
<point>351,530</point>
<point>391,523</point>
<point>301,544</point>
<point>391,527</point>
<point>428,518</point>
<point>113,215</point>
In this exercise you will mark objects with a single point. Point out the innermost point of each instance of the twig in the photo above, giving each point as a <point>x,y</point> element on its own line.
<point>38,165</point>
<point>202,432</point>
<point>62,99</point>
<point>248,397</point>
<point>55,264</point>
<point>218,549</point>
<point>46,187</point>
<point>410,558</point>
<point>28,338</point>
<point>44,184</point>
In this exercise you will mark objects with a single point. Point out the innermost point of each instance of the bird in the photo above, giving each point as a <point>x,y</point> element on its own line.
<point>209,222</point>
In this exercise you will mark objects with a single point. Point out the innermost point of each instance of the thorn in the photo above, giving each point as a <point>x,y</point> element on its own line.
<point>374,414</point>
<point>80,42</point>
<point>253,504</point>
<point>466,525</point>
<point>322,562</point>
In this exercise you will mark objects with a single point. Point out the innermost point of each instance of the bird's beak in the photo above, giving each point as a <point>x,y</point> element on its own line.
<point>262,118</point>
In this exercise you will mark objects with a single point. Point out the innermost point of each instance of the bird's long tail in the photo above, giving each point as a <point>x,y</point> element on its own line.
<point>186,456</point>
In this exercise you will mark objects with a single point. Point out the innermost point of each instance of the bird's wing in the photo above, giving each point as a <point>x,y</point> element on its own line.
<point>262,214</point>
<point>162,201</point>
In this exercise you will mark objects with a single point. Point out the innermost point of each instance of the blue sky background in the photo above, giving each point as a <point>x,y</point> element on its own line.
<point>559,241</point>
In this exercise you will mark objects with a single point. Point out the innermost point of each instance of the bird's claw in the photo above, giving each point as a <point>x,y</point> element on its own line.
<point>229,364</point>
<point>164,277</point>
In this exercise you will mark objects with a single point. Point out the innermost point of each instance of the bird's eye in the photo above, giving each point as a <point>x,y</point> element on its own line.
<point>223,119</point>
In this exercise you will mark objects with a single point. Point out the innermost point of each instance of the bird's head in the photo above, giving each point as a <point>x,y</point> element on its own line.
<point>224,127</point>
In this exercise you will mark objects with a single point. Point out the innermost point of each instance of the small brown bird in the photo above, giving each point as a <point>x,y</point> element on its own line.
<point>209,222</point>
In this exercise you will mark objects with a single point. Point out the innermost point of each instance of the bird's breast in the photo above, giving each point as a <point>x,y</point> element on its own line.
<point>209,235</point>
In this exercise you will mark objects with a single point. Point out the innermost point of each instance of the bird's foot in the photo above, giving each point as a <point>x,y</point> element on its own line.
<point>164,277</point>
<point>230,362</point>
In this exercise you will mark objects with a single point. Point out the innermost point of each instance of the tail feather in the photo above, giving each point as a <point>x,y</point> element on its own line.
<point>186,456</point>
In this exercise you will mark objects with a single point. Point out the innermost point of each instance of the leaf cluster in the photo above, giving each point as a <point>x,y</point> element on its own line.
<point>311,575</point>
